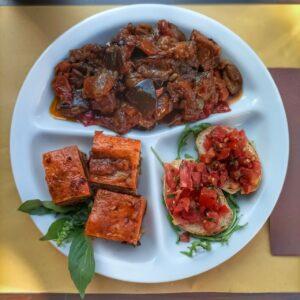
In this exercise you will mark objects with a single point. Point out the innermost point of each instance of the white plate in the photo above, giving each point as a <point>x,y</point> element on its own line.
<point>260,112</point>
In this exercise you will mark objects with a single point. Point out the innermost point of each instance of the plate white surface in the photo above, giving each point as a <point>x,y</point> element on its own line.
<point>260,112</point>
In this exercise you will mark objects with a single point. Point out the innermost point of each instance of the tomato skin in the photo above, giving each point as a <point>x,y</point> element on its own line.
<point>171,173</point>
<point>208,156</point>
<point>184,237</point>
<point>223,154</point>
<point>223,210</point>
<point>208,198</point>
<point>185,174</point>
<point>209,226</point>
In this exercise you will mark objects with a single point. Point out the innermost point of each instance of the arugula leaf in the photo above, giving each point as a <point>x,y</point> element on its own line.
<point>81,262</point>
<point>222,237</point>
<point>194,130</point>
<point>188,156</point>
<point>157,156</point>
<point>38,207</point>
<point>54,229</point>
<point>194,247</point>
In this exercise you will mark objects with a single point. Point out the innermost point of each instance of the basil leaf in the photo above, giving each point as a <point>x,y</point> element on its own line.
<point>81,262</point>
<point>38,207</point>
<point>54,229</point>
<point>34,207</point>
<point>56,208</point>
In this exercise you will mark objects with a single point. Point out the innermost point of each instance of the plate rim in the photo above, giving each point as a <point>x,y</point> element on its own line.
<point>177,9</point>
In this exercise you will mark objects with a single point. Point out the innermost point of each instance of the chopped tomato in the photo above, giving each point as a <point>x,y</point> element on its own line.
<point>209,226</point>
<point>227,156</point>
<point>208,198</point>
<point>183,204</point>
<point>212,216</point>
<point>223,154</point>
<point>171,174</point>
<point>185,173</point>
<point>207,143</point>
<point>184,237</point>
<point>208,156</point>
<point>223,209</point>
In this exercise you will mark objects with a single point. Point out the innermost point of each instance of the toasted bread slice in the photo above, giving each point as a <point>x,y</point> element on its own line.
<point>198,229</point>
<point>230,186</point>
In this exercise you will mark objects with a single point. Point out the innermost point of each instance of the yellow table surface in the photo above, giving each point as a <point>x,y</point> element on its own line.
<point>27,265</point>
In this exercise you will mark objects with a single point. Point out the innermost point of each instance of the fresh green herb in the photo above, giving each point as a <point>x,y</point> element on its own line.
<point>69,228</point>
<point>157,156</point>
<point>81,261</point>
<point>55,229</point>
<point>66,232</point>
<point>188,156</point>
<point>187,132</point>
<point>38,207</point>
<point>59,209</point>
<point>231,199</point>
<point>194,247</point>
<point>171,196</point>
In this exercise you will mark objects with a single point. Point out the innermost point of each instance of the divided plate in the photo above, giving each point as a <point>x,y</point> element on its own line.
<point>259,111</point>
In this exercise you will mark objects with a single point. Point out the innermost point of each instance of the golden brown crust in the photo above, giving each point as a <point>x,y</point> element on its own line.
<point>115,162</point>
<point>65,175</point>
<point>116,217</point>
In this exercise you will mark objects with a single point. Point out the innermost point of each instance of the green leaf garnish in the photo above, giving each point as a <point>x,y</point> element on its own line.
<point>187,132</point>
<point>81,262</point>
<point>34,207</point>
<point>38,207</point>
<point>54,229</point>
<point>188,156</point>
<point>195,245</point>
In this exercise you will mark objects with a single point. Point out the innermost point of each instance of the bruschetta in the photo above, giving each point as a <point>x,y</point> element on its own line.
<point>228,149</point>
<point>196,208</point>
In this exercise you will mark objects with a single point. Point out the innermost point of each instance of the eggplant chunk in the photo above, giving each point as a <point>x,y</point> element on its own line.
<point>143,97</point>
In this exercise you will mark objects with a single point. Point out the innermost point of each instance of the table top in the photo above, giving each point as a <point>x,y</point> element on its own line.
<point>28,265</point>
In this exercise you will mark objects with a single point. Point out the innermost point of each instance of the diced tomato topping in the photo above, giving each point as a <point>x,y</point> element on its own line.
<point>185,174</point>
<point>183,204</point>
<point>212,216</point>
<point>208,156</point>
<point>208,198</point>
<point>207,143</point>
<point>172,175</point>
<point>223,154</point>
<point>209,226</point>
<point>227,155</point>
<point>184,237</point>
<point>223,209</point>
<point>196,176</point>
